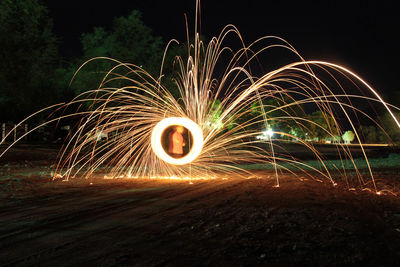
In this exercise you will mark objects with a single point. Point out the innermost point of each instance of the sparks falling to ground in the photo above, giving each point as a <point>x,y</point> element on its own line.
<point>223,108</point>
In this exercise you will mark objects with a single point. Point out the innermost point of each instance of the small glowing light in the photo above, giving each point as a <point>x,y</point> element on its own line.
<point>269,132</point>
<point>192,127</point>
<point>57,176</point>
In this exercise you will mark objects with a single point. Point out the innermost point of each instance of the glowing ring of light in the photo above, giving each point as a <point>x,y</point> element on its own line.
<point>194,129</point>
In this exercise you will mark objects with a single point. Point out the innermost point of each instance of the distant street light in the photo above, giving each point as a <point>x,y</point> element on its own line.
<point>269,133</point>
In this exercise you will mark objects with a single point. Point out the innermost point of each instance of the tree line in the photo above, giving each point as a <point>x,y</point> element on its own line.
<point>34,75</point>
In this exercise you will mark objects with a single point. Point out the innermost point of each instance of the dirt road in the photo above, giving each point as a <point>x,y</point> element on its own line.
<point>220,222</point>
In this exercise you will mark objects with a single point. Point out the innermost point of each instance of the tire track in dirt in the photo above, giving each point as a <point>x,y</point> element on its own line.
<point>51,225</point>
<point>221,221</point>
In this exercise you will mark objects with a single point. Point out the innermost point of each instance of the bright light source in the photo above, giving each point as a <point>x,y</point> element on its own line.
<point>269,132</point>
<point>192,127</point>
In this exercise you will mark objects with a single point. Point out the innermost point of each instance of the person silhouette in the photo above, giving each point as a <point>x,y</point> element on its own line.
<point>176,142</point>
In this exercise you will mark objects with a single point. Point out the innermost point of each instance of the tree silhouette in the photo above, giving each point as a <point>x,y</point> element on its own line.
<point>28,54</point>
<point>129,40</point>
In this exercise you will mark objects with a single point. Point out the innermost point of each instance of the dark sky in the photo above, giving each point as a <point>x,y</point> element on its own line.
<point>360,35</point>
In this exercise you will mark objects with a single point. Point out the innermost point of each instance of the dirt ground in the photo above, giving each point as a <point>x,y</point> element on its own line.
<point>235,222</point>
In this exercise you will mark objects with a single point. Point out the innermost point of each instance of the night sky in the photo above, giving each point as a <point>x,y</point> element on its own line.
<point>360,35</point>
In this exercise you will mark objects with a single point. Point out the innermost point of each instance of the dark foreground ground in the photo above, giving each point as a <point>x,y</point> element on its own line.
<point>231,222</point>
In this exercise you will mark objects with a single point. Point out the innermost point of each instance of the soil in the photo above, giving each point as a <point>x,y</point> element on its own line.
<point>227,222</point>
